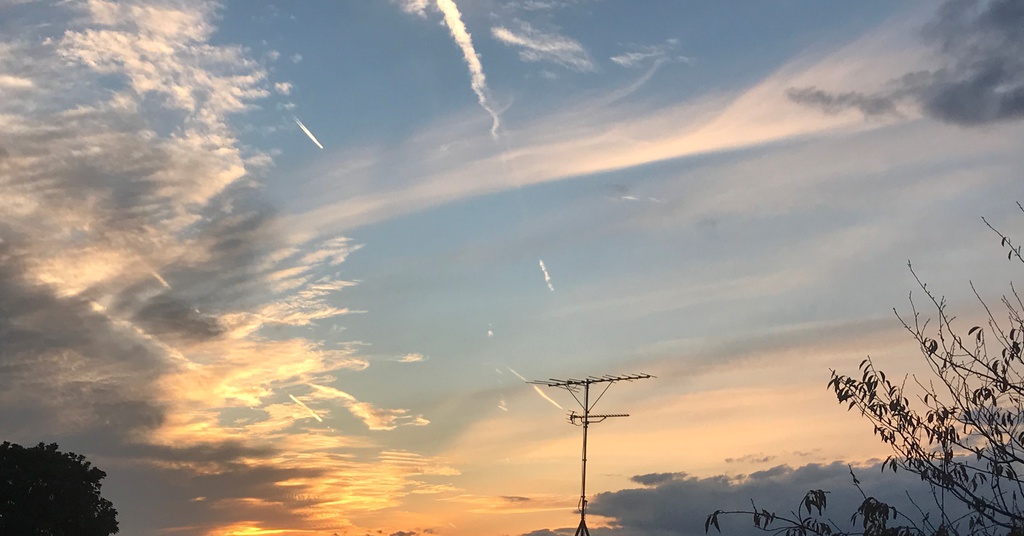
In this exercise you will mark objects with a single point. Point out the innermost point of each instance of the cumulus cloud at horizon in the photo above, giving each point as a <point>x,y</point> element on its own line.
<point>676,504</point>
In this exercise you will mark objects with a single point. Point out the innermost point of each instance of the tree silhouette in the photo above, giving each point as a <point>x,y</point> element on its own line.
<point>961,430</point>
<point>45,492</point>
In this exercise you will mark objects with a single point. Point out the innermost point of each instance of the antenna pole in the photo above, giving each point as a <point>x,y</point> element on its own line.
<point>573,386</point>
<point>583,479</point>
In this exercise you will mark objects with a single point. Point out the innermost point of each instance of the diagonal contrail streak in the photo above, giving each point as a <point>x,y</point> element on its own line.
<point>308,133</point>
<point>453,19</point>
<point>536,388</point>
<point>547,277</point>
<point>305,407</point>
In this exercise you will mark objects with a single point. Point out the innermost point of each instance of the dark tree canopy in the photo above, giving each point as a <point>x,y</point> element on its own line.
<point>46,492</point>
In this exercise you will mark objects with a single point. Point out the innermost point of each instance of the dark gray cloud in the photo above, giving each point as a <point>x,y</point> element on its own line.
<point>67,362</point>
<point>555,532</point>
<point>833,103</point>
<point>983,80</point>
<point>654,479</point>
<point>980,78</point>
<point>674,504</point>
<point>751,458</point>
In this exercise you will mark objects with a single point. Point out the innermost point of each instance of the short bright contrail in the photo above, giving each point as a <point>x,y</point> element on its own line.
<point>453,19</point>
<point>547,277</point>
<point>305,407</point>
<point>160,279</point>
<point>536,388</point>
<point>308,133</point>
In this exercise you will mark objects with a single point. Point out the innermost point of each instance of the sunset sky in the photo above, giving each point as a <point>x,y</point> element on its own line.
<point>283,267</point>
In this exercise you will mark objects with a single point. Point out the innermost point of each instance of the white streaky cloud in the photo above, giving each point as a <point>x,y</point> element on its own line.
<point>536,46</point>
<point>478,82</point>
<point>414,7</point>
<point>412,358</point>
<point>161,279</point>
<point>518,375</point>
<point>373,417</point>
<point>613,133</point>
<point>545,396</point>
<point>536,388</point>
<point>547,277</point>
<point>308,133</point>
<point>15,82</point>
<point>639,55</point>
<point>305,407</point>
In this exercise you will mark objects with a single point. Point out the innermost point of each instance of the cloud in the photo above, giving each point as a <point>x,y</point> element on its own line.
<point>414,7</point>
<point>478,82</point>
<point>654,479</point>
<point>15,82</point>
<point>979,47</point>
<point>751,458</point>
<point>150,298</point>
<point>675,504</point>
<point>547,277</point>
<point>640,56</point>
<point>537,46</point>
<point>585,137</point>
<point>833,103</point>
<point>539,5</point>
<point>412,358</point>
<point>373,417</point>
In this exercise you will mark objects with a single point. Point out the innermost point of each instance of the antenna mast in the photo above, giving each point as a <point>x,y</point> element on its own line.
<point>586,419</point>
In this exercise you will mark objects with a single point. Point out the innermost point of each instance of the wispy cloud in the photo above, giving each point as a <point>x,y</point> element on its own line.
<point>538,46</point>
<point>412,358</point>
<point>414,7</point>
<point>613,132</point>
<point>373,417</point>
<point>478,82</point>
<point>641,55</point>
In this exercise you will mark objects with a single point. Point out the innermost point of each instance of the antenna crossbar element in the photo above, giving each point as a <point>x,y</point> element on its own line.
<point>553,382</point>
<point>586,419</point>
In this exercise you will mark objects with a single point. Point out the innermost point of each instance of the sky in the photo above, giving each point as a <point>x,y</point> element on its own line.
<point>283,267</point>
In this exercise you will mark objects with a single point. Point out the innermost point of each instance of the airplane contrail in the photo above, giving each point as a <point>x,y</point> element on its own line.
<point>308,133</point>
<point>547,277</point>
<point>453,19</point>
<point>535,388</point>
<point>160,279</point>
<point>305,407</point>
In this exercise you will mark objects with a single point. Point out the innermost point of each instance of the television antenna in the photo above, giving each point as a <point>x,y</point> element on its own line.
<point>586,419</point>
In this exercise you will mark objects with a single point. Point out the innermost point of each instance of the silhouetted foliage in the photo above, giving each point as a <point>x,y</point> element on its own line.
<point>961,431</point>
<point>46,492</point>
